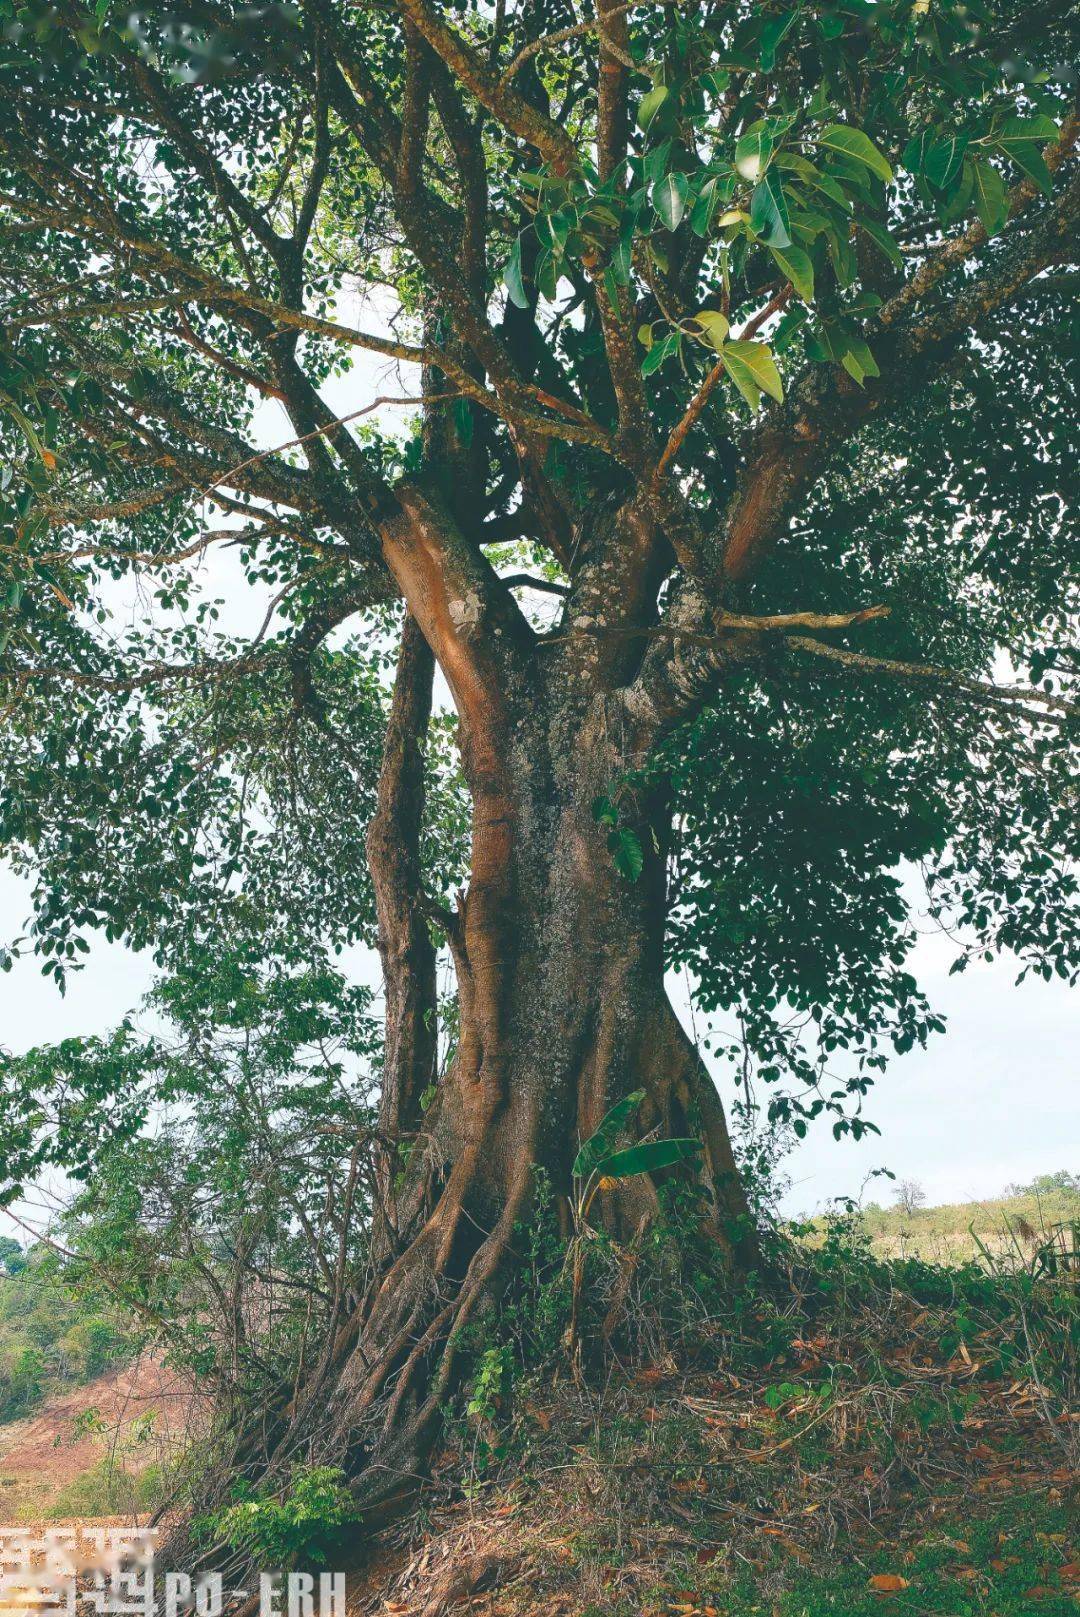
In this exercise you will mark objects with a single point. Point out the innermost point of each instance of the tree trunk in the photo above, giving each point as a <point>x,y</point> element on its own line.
<point>563,1010</point>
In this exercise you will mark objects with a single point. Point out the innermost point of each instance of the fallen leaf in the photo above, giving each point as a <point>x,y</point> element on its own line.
<point>888,1583</point>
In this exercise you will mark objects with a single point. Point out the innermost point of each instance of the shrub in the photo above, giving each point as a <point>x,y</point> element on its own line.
<point>303,1525</point>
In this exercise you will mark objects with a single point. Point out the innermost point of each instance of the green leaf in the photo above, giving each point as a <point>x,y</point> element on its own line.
<point>546,274</point>
<point>858,361</point>
<point>752,152</point>
<point>647,1158</point>
<point>769,213</point>
<point>512,278</point>
<point>1025,151</point>
<point>659,352</point>
<point>669,199</point>
<point>833,345</point>
<point>941,163</point>
<point>854,143</point>
<point>796,265</point>
<point>624,845</point>
<point>753,370</point>
<point>914,157</point>
<point>650,105</point>
<point>881,238</point>
<point>1036,127</point>
<point>771,35</point>
<point>991,198</point>
<point>715,326</point>
<point>713,193</point>
<point>598,1145</point>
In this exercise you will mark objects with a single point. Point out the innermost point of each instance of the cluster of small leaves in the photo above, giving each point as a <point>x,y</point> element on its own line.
<point>761,166</point>
<point>302,1526</point>
<point>204,1156</point>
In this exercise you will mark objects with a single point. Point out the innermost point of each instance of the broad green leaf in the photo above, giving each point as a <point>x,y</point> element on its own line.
<point>796,265</point>
<point>546,274</point>
<point>991,198</point>
<point>703,213</point>
<point>647,1158</point>
<point>650,105</point>
<point>769,213</point>
<point>1035,127</point>
<point>1026,153</point>
<point>831,344</point>
<point>858,361</point>
<point>812,176</point>
<point>659,352</point>
<point>842,254</point>
<point>669,199</point>
<point>645,337</point>
<point>715,326</point>
<point>881,238</point>
<point>771,36</point>
<point>957,203</point>
<point>752,152</point>
<point>854,143</point>
<point>624,845</point>
<point>915,151</point>
<point>941,163</point>
<point>598,1145</point>
<point>656,161</point>
<point>753,370</point>
<point>512,279</point>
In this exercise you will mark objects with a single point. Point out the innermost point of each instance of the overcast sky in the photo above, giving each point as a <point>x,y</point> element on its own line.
<point>995,1099</point>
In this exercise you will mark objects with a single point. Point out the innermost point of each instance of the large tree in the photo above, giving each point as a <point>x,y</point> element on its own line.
<point>742,343</point>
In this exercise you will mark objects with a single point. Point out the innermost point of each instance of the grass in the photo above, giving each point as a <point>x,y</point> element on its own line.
<point>858,1436</point>
<point>1019,1560</point>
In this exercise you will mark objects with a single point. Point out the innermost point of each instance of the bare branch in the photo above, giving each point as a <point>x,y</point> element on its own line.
<point>947,680</point>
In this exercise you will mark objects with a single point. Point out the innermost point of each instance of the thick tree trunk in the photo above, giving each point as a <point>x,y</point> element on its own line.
<point>562,1010</point>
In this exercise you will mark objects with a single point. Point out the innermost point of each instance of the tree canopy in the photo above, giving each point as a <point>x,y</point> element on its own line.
<point>791,282</point>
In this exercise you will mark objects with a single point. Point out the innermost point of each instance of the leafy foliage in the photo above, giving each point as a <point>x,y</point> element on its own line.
<point>188,206</point>
<point>53,1336</point>
<point>303,1525</point>
<point>226,1155</point>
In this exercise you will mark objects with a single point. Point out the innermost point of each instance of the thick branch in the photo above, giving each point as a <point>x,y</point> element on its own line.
<point>393,852</point>
<point>501,100</point>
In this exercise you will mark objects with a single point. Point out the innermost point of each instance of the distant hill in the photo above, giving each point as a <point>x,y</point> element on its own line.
<point>1016,1221</point>
<point>96,1450</point>
<point>50,1338</point>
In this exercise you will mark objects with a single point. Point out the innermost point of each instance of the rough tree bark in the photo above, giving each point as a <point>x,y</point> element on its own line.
<point>559,962</point>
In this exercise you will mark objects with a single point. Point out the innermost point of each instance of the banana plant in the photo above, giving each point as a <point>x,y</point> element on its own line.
<point>598,1167</point>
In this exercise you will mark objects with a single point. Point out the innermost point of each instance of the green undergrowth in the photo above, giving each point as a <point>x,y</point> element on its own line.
<point>108,1489</point>
<point>772,1449</point>
<point>1014,1561</point>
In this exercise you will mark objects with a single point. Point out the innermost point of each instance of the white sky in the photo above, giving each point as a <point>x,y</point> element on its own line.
<point>994,1099</point>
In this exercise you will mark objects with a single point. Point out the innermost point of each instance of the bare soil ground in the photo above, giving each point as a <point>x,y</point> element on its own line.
<point>41,1455</point>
